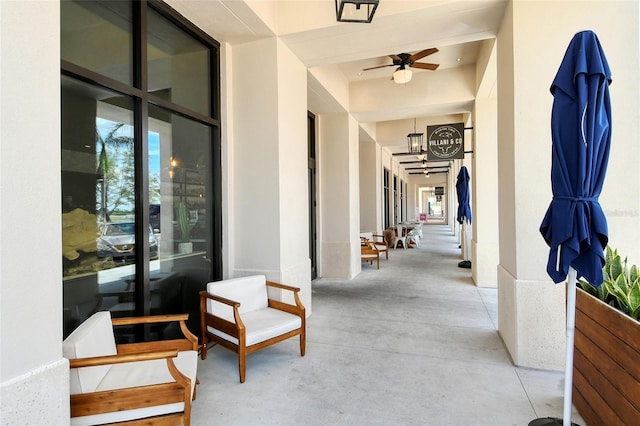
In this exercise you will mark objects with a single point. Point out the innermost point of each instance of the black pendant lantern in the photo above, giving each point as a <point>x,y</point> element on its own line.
<point>414,140</point>
<point>355,10</point>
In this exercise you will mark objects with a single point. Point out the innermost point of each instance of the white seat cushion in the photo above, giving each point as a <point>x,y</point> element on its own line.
<point>141,374</point>
<point>262,325</point>
<point>94,337</point>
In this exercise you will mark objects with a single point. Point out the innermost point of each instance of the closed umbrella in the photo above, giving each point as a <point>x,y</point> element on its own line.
<point>575,227</point>
<point>464,211</point>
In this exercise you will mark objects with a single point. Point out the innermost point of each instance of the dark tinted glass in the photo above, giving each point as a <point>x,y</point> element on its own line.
<point>179,65</point>
<point>98,230</point>
<point>181,215</point>
<point>97,36</point>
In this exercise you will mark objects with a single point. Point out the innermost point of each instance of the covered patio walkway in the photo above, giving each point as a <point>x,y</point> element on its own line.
<point>414,343</point>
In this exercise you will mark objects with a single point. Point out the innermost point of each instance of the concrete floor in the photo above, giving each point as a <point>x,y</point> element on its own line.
<point>414,343</point>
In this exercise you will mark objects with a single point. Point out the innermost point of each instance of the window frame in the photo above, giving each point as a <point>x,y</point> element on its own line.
<point>142,99</point>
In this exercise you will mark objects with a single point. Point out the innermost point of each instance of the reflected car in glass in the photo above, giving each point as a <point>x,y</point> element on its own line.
<point>117,241</point>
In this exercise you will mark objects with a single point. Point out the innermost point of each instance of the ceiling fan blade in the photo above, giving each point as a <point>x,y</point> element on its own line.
<point>396,58</point>
<point>373,68</point>
<point>422,54</point>
<point>423,66</point>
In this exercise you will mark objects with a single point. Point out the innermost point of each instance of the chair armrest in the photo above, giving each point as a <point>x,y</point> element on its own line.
<point>283,286</point>
<point>190,341</point>
<point>379,239</point>
<point>206,318</point>
<point>297,309</point>
<point>224,300</point>
<point>152,319</point>
<point>370,246</point>
<point>120,359</point>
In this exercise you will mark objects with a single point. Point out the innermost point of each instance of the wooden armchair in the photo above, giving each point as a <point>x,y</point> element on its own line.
<point>238,314</point>
<point>369,252</point>
<point>132,383</point>
<point>378,241</point>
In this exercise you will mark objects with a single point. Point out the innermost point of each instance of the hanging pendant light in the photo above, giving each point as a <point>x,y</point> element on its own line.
<point>414,140</point>
<point>355,10</point>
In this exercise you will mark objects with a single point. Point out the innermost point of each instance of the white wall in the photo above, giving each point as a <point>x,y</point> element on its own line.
<point>33,375</point>
<point>295,264</point>
<point>485,173</point>
<point>485,194</point>
<point>370,184</point>
<point>269,188</point>
<point>339,188</point>
<point>256,158</point>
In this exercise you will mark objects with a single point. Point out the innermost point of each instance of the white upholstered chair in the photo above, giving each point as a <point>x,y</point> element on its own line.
<point>132,383</point>
<point>239,315</point>
<point>378,242</point>
<point>369,252</point>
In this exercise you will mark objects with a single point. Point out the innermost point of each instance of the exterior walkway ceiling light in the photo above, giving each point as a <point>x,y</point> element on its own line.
<point>414,141</point>
<point>355,10</point>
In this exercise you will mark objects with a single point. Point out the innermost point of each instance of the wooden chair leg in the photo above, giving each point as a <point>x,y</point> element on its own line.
<point>195,389</point>
<point>242,364</point>
<point>203,349</point>
<point>303,344</point>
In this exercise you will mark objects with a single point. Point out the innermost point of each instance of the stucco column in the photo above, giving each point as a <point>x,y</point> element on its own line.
<point>370,188</point>
<point>484,185</point>
<point>33,383</point>
<point>268,165</point>
<point>339,193</point>
<point>530,307</point>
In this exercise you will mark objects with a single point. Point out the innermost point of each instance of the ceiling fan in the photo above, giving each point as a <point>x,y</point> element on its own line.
<point>407,60</point>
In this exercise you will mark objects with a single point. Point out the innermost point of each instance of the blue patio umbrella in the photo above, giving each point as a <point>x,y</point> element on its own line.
<point>575,227</point>
<point>464,210</point>
<point>462,190</point>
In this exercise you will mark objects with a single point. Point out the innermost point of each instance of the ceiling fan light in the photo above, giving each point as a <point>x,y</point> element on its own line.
<point>402,76</point>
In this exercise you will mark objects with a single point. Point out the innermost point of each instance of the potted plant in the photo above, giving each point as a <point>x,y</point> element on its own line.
<point>186,246</point>
<point>606,371</point>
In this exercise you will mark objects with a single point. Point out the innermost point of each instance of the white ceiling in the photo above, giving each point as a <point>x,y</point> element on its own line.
<point>309,28</point>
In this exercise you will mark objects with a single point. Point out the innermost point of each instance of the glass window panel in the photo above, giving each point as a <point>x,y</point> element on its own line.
<point>180,182</point>
<point>98,167</point>
<point>97,36</point>
<point>178,65</point>
<point>98,231</point>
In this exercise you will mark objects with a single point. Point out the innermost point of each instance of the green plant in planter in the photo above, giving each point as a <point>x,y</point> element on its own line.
<point>183,222</point>
<point>621,286</point>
